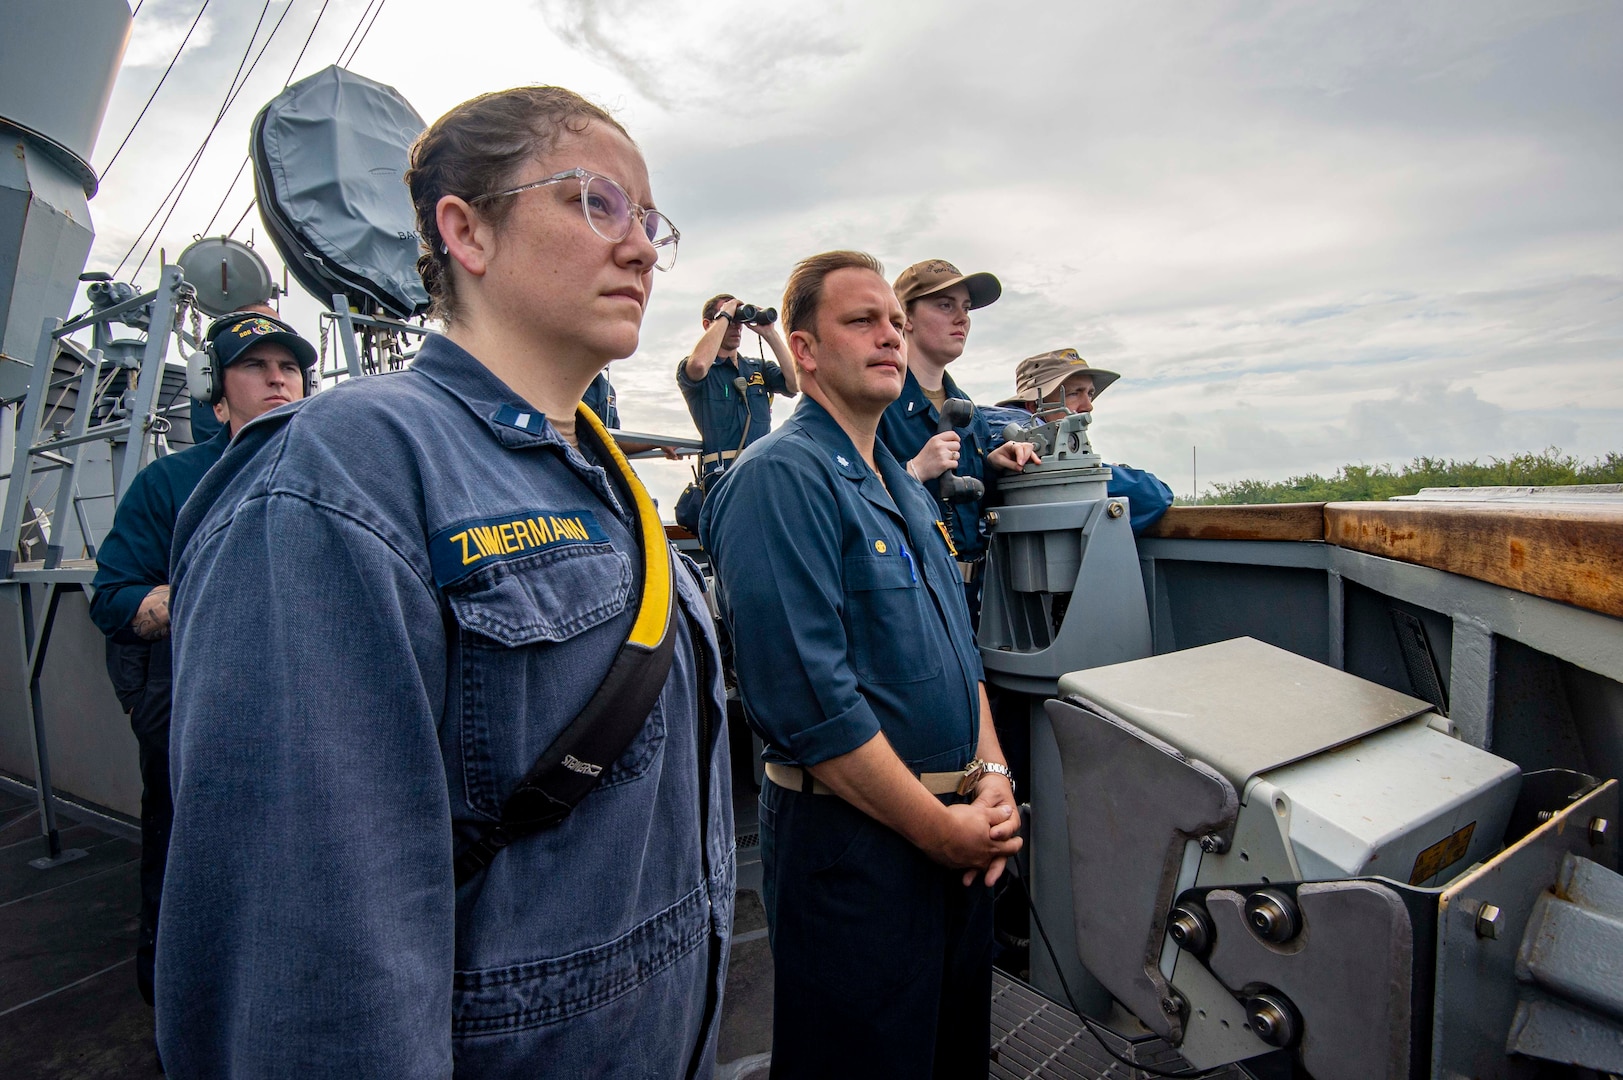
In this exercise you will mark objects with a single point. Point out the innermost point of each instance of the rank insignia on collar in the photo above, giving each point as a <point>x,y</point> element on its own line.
<point>844,464</point>
<point>910,405</point>
<point>524,420</point>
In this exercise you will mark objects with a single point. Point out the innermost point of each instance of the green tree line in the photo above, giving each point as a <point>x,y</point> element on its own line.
<point>1355,483</point>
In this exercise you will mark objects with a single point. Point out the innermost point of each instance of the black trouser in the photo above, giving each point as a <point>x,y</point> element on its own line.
<point>1011,717</point>
<point>882,959</point>
<point>140,674</point>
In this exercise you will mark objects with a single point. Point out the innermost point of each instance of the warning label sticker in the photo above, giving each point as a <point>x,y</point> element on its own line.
<point>1441,855</point>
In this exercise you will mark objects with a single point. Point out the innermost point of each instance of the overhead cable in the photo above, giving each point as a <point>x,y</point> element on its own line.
<point>358,23</point>
<point>231,98</point>
<point>109,166</point>
<point>229,188</point>
<point>341,61</point>
<point>251,204</point>
<point>191,164</point>
<point>285,84</point>
<point>290,71</point>
<point>356,51</point>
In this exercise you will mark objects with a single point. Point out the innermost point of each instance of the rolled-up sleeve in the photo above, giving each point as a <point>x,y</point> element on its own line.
<point>772,375</point>
<point>773,530</point>
<point>308,923</point>
<point>1147,496</point>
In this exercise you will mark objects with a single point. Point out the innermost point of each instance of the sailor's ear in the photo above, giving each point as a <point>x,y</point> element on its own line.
<point>803,348</point>
<point>468,237</point>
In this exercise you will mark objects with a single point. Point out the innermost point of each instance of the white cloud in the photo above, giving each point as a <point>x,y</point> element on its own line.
<point>159,34</point>
<point>1306,233</point>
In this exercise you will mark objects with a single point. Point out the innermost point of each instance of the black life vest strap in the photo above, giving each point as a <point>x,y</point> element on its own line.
<point>568,769</point>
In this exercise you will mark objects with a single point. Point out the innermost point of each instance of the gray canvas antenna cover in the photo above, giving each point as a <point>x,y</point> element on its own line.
<point>330,155</point>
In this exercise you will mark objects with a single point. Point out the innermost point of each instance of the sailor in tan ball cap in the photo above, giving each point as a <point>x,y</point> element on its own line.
<point>938,298</point>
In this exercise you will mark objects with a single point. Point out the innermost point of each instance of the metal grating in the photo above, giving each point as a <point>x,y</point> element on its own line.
<point>1035,1039</point>
<point>1418,659</point>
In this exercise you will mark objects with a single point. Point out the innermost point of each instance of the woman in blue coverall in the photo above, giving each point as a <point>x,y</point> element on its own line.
<point>404,591</point>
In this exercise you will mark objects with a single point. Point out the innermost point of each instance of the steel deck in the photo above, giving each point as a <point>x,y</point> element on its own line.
<point>69,1008</point>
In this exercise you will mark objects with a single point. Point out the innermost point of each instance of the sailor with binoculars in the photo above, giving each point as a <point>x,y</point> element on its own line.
<point>729,394</point>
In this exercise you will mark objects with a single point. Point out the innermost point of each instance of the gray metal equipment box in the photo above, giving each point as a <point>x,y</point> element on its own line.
<point>1338,777</point>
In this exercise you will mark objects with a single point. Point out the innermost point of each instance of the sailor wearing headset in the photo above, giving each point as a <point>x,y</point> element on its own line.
<point>250,363</point>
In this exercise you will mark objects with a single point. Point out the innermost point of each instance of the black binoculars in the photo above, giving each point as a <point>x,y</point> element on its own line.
<point>750,315</point>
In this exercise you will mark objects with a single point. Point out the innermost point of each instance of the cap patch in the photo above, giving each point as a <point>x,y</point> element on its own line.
<point>460,549</point>
<point>940,266</point>
<point>256,327</point>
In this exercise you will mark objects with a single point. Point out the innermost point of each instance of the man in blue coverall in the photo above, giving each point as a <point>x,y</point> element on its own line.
<point>938,300</point>
<point>1058,382</point>
<point>599,397</point>
<point>259,363</point>
<point>728,413</point>
<point>888,811</point>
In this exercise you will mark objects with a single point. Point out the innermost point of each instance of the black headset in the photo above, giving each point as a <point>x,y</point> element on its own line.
<point>203,379</point>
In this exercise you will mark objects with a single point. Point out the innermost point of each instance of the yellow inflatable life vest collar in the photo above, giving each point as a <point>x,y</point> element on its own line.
<point>654,606</point>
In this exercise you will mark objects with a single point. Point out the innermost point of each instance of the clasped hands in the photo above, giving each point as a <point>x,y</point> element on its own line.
<point>982,835</point>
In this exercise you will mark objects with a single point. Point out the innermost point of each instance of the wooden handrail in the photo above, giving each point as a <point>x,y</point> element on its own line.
<point>1571,553</point>
<point>1274,521</point>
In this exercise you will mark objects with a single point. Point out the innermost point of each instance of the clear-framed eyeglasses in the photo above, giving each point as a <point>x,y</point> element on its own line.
<point>610,212</point>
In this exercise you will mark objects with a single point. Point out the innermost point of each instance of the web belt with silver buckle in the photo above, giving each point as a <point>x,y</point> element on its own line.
<point>962,782</point>
<point>711,459</point>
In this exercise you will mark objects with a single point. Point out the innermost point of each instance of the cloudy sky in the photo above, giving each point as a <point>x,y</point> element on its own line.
<point>1305,233</point>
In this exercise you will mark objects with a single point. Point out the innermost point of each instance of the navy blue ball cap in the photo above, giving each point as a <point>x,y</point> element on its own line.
<point>234,333</point>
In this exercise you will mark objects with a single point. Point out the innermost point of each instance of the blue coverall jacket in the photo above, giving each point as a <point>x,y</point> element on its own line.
<point>910,422</point>
<point>133,558</point>
<point>849,619</point>
<point>599,397</point>
<point>1147,495</point>
<point>401,591</point>
<point>857,593</point>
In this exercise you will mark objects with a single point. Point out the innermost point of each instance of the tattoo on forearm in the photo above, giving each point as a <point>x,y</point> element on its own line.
<point>151,622</point>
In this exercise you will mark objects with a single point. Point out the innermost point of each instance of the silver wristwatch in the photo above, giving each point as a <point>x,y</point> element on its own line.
<point>977,769</point>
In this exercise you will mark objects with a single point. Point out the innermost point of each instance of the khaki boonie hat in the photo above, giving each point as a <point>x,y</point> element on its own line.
<point>933,275</point>
<point>1040,375</point>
